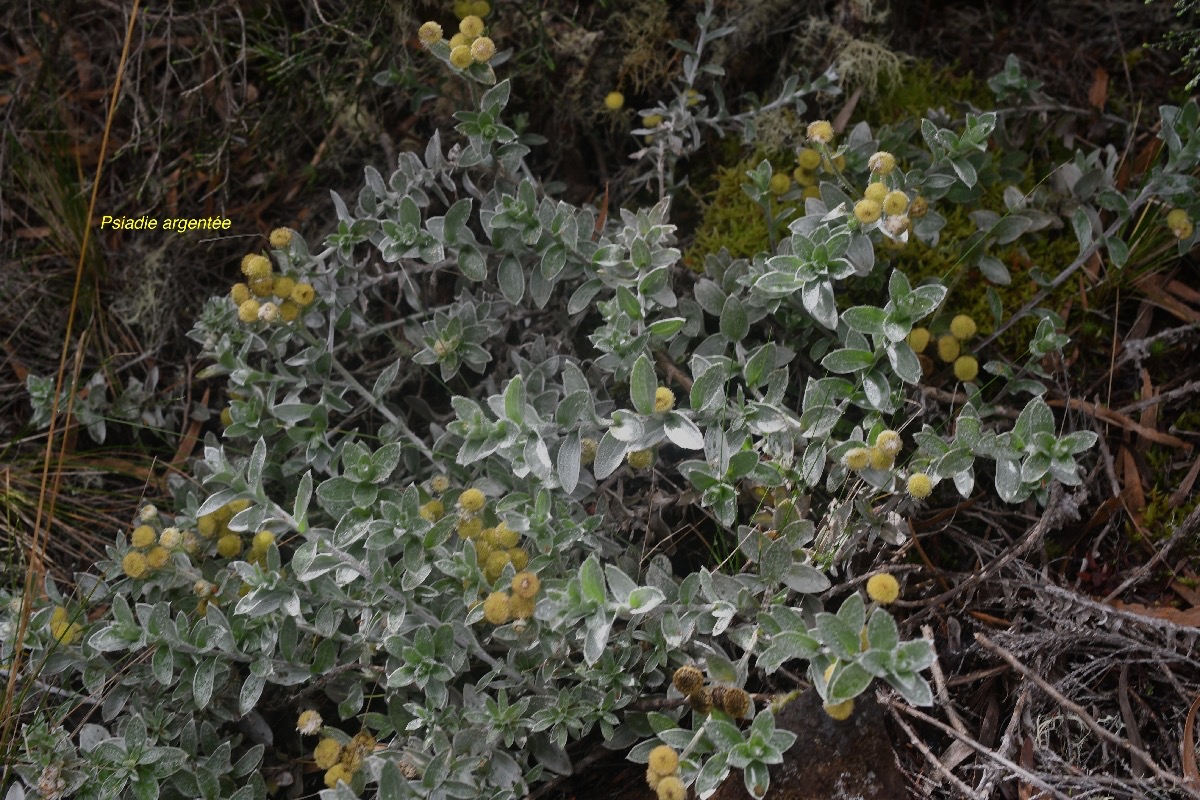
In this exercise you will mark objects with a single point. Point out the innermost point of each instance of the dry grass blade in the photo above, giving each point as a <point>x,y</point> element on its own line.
<point>34,573</point>
<point>1095,727</point>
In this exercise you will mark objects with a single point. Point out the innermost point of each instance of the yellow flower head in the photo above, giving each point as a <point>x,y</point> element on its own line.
<point>309,722</point>
<point>640,459</point>
<point>948,348</point>
<point>918,339</point>
<point>327,752</point>
<point>522,607</point>
<point>471,26</point>
<point>303,294</point>
<point>263,540</point>
<point>820,131</point>
<point>671,788</point>
<point>883,588</point>
<point>280,238</point>
<point>882,163</point>
<point>889,441</point>
<point>338,772</point>
<point>143,536</point>
<point>587,450</point>
<point>458,40</point>
<point>526,584</point>
<point>283,287</point>
<point>472,501</point>
<point>780,183</point>
<point>502,537</point>
<point>134,565</point>
<point>240,293</point>
<point>460,56</point>
<point>614,101</point>
<point>920,486</point>
<point>895,203</point>
<point>158,557</point>
<point>735,702</point>
<point>482,49</point>
<point>207,525</point>
<point>360,746</point>
<point>652,120</point>
<point>963,327</point>
<point>470,527</point>
<point>496,608</point>
<point>429,33</point>
<point>268,312</point>
<point>439,484</point>
<point>1177,218</point>
<point>808,159</point>
<point>875,191</point>
<point>288,311</point>
<point>171,538</point>
<point>664,399</point>
<point>229,545</point>
<point>497,560</point>
<point>65,632</point>
<point>701,700</point>
<point>663,760</point>
<point>255,266</point>
<point>840,711</point>
<point>919,207</point>
<point>433,511</point>
<point>857,458</point>
<point>867,211</point>
<point>880,458</point>
<point>518,557</point>
<point>652,778</point>
<point>966,368</point>
<point>262,287</point>
<point>248,311</point>
<point>688,679</point>
<point>481,8</point>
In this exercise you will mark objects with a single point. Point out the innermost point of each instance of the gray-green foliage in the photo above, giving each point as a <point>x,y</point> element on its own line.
<point>369,604</point>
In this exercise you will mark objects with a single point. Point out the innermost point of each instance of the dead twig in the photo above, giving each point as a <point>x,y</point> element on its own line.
<point>1086,718</point>
<point>1185,530</point>
<point>965,790</point>
<point>1055,515</point>
<point>1016,769</point>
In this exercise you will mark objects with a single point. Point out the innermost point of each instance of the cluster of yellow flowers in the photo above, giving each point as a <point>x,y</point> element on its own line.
<point>689,680</point>
<point>495,547</point>
<point>949,347</point>
<point>252,297</point>
<point>810,164</point>
<point>340,763</point>
<point>639,459</point>
<point>881,201</point>
<point>468,46</point>
<point>61,627</point>
<point>216,525</point>
<point>881,455</point>
<point>1180,223</point>
<point>662,773</point>
<point>500,607</point>
<point>151,549</point>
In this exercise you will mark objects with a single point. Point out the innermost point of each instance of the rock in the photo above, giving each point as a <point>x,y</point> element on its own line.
<point>851,760</point>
